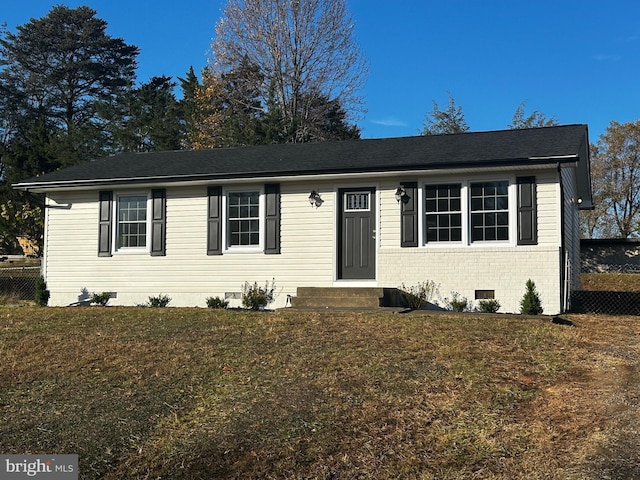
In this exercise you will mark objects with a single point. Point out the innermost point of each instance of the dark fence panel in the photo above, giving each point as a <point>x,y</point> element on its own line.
<point>612,303</point>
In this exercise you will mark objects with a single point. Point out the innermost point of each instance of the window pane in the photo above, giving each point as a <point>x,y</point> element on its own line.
<point>502,203</point>
<point>489,203</point>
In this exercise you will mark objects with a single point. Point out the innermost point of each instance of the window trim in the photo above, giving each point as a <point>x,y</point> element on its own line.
<point>227,247</point>
<point>116,224</point>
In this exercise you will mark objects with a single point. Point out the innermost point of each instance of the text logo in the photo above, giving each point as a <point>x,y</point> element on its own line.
<point>49,467</point>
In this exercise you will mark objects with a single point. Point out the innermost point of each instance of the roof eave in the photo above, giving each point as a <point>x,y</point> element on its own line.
<point>521,163</point>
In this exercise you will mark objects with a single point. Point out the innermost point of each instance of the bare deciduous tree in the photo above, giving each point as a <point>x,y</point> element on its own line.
<point>305,50</point>
<point>615,171</point>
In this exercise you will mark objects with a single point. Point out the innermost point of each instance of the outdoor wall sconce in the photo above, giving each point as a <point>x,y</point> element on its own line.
<point>401,193</point>
<point>315,199</point>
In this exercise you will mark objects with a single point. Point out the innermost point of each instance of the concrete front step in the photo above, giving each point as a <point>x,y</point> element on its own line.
<point>351,297</point>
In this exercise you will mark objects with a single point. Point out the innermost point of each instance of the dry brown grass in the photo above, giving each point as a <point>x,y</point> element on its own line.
<point>611,282</point>
<point>192,393</point>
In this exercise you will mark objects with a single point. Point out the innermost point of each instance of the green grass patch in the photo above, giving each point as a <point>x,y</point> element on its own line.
<point>201,393</point>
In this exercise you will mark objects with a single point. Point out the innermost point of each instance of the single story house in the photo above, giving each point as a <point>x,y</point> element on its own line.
<point>476,213</point>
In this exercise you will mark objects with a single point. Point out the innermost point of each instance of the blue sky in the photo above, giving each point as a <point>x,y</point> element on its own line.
<point>578,61</point>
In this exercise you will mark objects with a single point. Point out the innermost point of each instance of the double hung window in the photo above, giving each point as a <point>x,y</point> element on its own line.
<point>243,221</point>
<point>443,206</point>
<point>489,211</point>
<point>132,221</point>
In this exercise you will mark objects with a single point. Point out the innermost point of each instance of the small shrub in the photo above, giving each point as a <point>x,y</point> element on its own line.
<point>489,306</point>
<point>217,302</point>
<point>458,303</point>
<point>159,302</point>
<point>530,303</point>
<point>42,294</point>
<point>418,295</point>
<point>256,297</point>
<point>100,298</point>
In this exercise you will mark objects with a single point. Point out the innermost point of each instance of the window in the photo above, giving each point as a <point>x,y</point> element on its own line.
<point>489,211</point>
<point>443,209</point>
<point>132,221</point>
<point>243,221</point>
<point>247,219</point>
<point>474,212</point>
<point>355,201</point>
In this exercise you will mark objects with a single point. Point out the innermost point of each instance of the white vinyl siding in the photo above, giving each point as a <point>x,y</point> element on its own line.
<point>187,274</point>
<point>308,249</point>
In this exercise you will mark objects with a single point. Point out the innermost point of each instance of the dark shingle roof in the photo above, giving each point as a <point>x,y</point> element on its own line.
<point>505,147</point>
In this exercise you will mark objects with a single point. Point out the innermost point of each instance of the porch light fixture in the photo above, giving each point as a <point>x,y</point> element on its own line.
<point>315,199</point>
<point>400,194</point>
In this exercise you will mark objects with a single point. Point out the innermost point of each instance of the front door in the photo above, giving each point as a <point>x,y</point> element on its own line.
<point>357,234</point>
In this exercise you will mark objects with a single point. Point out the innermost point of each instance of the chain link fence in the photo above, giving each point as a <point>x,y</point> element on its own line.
<point>610,268</point>
<point>18,283</point>
<point>620,299</point>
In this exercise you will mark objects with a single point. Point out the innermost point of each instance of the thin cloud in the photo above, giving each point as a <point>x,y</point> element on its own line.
<point>601,57</point>
<point>390,122</point>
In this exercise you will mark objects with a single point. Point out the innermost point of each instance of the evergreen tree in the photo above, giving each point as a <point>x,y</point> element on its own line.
<point>62,66</point>
<point>535,120</point>
<point>449,121</point>
<point>146,118</point>
<point>55,72</point>
<point>530,303</point>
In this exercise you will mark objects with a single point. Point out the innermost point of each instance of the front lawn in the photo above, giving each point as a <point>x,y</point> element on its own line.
<point>197,393</point>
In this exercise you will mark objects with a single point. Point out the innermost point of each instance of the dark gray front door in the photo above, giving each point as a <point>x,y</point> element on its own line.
<point>357,234</point>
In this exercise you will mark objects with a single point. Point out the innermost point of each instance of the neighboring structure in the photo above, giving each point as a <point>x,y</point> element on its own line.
<point>477,213</point>
<point>610,255</point>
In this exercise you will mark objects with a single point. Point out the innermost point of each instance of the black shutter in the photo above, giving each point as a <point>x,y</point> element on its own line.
<point>527,211</point>
<point>272,218</point>
<point>158,222</point>
<point>214,221</point>
<point>104,224</point>
<point>409,215</point>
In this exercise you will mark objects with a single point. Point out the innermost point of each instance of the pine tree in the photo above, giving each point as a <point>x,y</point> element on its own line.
<point>530,303</point>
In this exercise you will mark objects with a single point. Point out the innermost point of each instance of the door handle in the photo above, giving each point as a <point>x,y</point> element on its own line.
<point>373,235</point>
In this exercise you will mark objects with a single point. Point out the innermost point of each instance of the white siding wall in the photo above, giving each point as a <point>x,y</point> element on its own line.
<point>189,276</point>
<point>571,228</point>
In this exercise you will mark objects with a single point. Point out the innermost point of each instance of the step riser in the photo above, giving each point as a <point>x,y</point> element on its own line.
<point>335,297</point>
<point>339,292</point>
<point>335,302</point>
